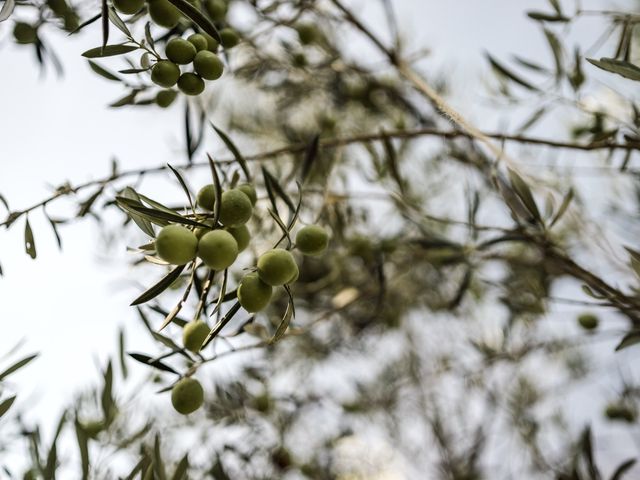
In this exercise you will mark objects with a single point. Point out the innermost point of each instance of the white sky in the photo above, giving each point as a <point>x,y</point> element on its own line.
<point>57,129</point>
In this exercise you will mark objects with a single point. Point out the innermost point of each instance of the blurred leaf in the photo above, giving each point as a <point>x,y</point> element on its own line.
<point>524,192</point>
<point>286,319</point>
<point>532,120</point>
<point>5,405</point>
<point>54,227</point>
<point>83,445</point>
<point>236,153</point>
<point>197,17</point>
<point>555,4</point>
<point>547,17</point>
<point>105,22</point>
<point>16,366</point>
<point>109,51</point>
<point>311,153</point>
<point>625,69</point>
<point>622,469</point>
<point>271,181</point>
<point>121,348</point>
<point>85,206</point>
<point>159,287</point>
<point>181,470</point>
<point>29,241</point>
<point>7,9</point>
<point>148,36</point>
<point>505,72</point>
<point>106,398</point>
<point>392,163</point>
<point>587,450</point>
<point>103,72</point>
<point>628,340</point>
<point>566,201</point>
<point>158,463</point>
<point>128,99</point>
<point>556,49</point>
<point>85,23</point>
<point>218,189</point>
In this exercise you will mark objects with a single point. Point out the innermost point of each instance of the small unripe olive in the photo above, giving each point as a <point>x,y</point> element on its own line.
<point>24,33</point>
<point>229,38</point>
<point>218,249</point>
<point>619,411</point>
<point>281,458</point>
<point>199,41</point>
<point>164,13</point>
<point>194,334</point>
<point>249,191</point>
<point>235,208</point>
<point>217,9</point>
<point>242,236</point>
<point>165,73</point>
<point>312,240</point>
<point>128,7</point>
<point>276,267</point>
<point>176,244</point>
<point>253,294</point>
<point>206,197</point>
<point>208,65</point>
<point>180,51</point>
<point>190,84</point>
<point>307,33</point>
<point>187,396</point>
<point>212,43</point>
<point>164,98</point>
<point>588,321</point>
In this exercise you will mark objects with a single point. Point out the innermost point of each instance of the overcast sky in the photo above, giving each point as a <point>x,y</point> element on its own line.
<point>67,304</point>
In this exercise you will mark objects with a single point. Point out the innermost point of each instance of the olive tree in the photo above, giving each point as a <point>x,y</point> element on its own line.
<point>381,274</point>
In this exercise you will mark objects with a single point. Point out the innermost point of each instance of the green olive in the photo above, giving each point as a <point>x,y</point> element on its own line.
<point>176,244</point>
<point>194,334</point>
<point>164,98</point>
<point>218,249</point>
<point>206,197</point>
<point>235,208</point>
<point>307,33</point>
<point>199,41</point>
<point>180,51</point>
<point>187,396</point>
<point>24,33</point>
<point>190,84</point>
<point>312,240</point>
<point>276,267</point>
<point>588,321</point>
<point>212,43</point>
<point>242,236</point>
<point>217,9</point>
<point>164,13</point>
<point>249,191</point>
<point>208,65</point>
<point>165,73</point>
<point>128,7</point>
<point>229,38</point>
<point>253,294</point>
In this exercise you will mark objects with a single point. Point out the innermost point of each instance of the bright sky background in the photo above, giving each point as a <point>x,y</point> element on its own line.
<point>54,129</point>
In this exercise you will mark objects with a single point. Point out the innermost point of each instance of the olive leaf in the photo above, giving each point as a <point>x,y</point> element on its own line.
<point>147,360</point>
<point>118,22</point>
<point>85,23</point>
<point>7,9</point>
<point>286,319</point>
<point>159,287</point>
<point>234,150</point>
<point>524,192</point>
<point>183,184</point>
<point>29,242</point>
<point>5,405</point>
<point>103,72</point>
<point>311,153</point>
<point>218,189</point>
<point>17,366</point>
<point>505,72</point>
<point>109,51</point>
<point>547,17</point>
<point>221,324</point>
<point>197,17</point>
<point>625,69</point>
<point>142,223</point>
<point>628,340</point>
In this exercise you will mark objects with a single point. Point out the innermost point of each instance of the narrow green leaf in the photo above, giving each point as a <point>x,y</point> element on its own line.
<point>140,221</point>
<point>121,354</point>
<point>628,340</point>
<point>234,150</point>
<point>181,469</point>
<point>566,201</point>
<point>155,215</point>
<point>524,192</point>
<point>158,463</point>
<point>221,324</point>
<point>83,445</point>
<point>29,241</point>
<point>147,360</point>
<point>16,366</point>
<point>505,72</point>
<point>622,469</point>
<point>557,51</point>
<point>54,227</point>
<point>118,22</point>
<point>109,51</point>
<point>7,9</point>
<point>183,184</point>
<point>103,72</point>
<point>5,405</point>
<point>128,99</point>
<point>105,23</point>
<point>277,188</point>
<point>106,398</point>
<point>547,17</point>
<point>625,69</point>
<point>159,287</point>
<point>286,319</point>
<point>218,189</point>
<point>86,22</point>
<point>197,17</point>
<point>310,156</point>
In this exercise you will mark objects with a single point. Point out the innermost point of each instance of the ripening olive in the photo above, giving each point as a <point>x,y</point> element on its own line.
<point>199,41</point>
<point>253,294</point>
<point>194,334</point>
<point>164,98</point>
<point>165,73</point>
<point>235,208</point>
<point>190,84</point>
<point>276,267</point>
<point>242,236</point>
<point>212,43</point>
<point>229,38</point>
<point>187,396</point>
<point>164,13</point>
<point>180,51</point>
<point>588,321</point>
<point>24,33</point>
<point>218,249</point>
<point>217,9</point>
<point>128,7</point>
<point>249,191</point>
<point>206,197</point>
<point>208,65</point>
<point>176,244</point>
<point>312,240</point>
